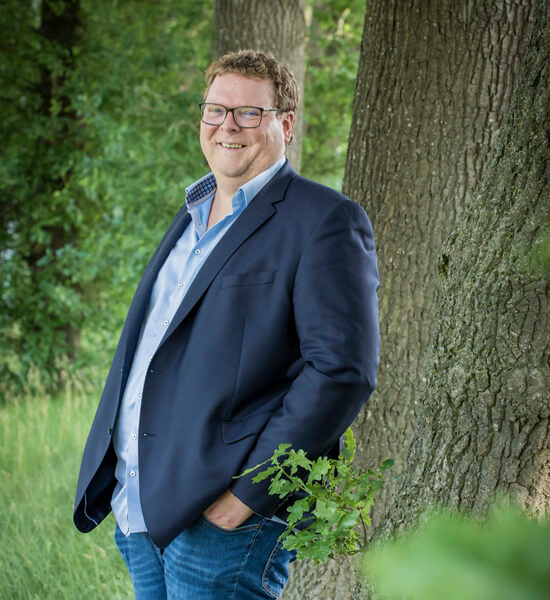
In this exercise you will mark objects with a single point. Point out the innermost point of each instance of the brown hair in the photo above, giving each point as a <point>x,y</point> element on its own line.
<point>256,64</point>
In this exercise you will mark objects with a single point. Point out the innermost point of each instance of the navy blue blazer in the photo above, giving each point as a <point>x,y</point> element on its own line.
<point>288,303</point>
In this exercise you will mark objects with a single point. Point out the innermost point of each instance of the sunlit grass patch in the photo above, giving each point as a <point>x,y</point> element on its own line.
<point>43,555</point>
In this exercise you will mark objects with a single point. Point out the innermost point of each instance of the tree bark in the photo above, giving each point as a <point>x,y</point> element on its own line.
<point>434,84</point>
<point>275,26</point>
<point>484,422</point>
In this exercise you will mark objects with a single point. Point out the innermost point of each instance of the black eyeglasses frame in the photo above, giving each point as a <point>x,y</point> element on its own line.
<point>232,111</point>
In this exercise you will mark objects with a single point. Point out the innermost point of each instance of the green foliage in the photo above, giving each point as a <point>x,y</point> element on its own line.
<point>144,66</point>
<point>334,40</point>
<point>455,557</point>
<point>338,502</point>
<point>99,141</point>
<point>38,216</point>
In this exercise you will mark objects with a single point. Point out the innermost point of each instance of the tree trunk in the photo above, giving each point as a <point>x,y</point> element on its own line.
<point>276,26</point>
<point>60,23</point>
<point>434,84</point>
<point>484,422</point>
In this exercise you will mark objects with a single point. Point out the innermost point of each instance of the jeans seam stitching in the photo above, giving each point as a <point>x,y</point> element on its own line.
<point>265,585</point>
<point>246,559</point>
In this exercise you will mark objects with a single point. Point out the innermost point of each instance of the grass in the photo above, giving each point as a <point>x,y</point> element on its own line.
<point>43,555</point>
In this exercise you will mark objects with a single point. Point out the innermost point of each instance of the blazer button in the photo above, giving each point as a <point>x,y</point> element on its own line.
<point>110,430</point>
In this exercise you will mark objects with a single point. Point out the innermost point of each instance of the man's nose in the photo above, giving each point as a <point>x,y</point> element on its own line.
<point>230,124</point>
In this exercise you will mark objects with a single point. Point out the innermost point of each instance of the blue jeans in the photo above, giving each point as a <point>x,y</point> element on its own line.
<point>208,562</point>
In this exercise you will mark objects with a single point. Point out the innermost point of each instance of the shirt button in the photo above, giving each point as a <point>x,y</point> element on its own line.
<point>134,436</point>
<point>166,323</point>
<point>132,473</point>
<point>198,251</point>
<point>140,396</point>
<point>180,285</point>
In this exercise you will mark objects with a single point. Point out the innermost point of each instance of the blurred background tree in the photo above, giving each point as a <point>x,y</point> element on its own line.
<point>277,27</point>
<point>334,41</point>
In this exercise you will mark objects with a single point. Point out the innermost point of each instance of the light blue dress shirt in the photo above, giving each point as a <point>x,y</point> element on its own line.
<point>174,278</point>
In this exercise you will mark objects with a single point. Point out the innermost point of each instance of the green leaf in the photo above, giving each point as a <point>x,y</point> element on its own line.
<point>282,449</point>
<point>338,497</point>
<point>264,474</point>
<point>327,510</point>
<point>348,450</point>
<point>319,469</point>
<point>348,520</point>
<point>318,552</point>
<point>376,485</point>
<point>282,487</point>
<point>251,469</point>
<point>296,511</point>
<point>299,459</point>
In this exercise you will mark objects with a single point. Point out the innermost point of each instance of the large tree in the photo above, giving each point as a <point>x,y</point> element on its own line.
<point>483,425</point>
<point>434,84</point>
<point>278,27</point>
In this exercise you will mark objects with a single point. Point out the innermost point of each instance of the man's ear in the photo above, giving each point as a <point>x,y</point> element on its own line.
<point>288,123</point>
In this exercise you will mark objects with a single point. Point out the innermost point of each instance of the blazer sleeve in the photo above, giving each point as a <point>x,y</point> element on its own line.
<point>336,313</point>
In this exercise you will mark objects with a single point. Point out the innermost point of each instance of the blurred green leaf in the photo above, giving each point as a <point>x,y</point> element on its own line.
<point>455,557</point>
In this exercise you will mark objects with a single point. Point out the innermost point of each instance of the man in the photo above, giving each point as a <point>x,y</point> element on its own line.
<point>255,323</point>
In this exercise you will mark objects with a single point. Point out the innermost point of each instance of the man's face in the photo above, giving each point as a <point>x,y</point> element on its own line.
<point>237,154</point>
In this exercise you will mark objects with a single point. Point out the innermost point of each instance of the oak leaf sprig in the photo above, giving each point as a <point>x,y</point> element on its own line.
<point>334,515</point>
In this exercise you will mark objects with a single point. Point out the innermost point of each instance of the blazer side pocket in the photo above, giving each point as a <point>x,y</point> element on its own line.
<point>233,431</point>
<point>254,278</point>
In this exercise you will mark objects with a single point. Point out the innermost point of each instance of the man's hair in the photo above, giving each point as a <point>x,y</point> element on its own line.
<point>256,64</point>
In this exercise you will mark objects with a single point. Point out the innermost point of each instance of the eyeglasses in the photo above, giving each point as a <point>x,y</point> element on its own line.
<point>244,116</point>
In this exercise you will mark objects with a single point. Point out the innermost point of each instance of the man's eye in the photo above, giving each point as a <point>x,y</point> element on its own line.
<point>249,113</point>
<point>214,110</point>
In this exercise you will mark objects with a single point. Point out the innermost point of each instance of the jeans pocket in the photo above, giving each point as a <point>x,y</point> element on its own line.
<point>253,522</point>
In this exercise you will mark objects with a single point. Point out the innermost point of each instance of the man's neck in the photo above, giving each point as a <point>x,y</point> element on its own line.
<point>225,192</point>
<point>222,201</point>
<point>226,188</point>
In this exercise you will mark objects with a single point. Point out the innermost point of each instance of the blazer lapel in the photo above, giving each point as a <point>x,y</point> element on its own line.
<point>142,296</point>
<point>256,213</point>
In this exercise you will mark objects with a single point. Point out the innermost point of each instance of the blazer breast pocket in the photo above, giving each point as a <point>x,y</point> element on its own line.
<point>254,278</point>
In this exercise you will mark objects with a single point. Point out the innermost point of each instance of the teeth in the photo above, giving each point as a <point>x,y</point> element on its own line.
<point>232,145</point>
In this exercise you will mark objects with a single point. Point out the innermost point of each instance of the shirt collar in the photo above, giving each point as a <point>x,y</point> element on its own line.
<point>251,188</point>
<point>202,189</point>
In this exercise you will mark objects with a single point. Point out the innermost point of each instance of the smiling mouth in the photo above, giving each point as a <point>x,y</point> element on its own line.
<point>231,146</point>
